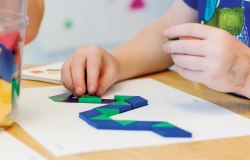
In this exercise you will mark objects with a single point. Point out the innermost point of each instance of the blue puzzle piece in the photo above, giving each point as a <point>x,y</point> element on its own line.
<point>171,132</point>
<point>137,101</point>
<point>122,108</point>
<point>106,124</point>
<point>140,125</point>
<point>7,64</point>
<point>89,114</point>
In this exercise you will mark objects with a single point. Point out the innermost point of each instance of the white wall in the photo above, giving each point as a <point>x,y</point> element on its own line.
<point>69,24</point>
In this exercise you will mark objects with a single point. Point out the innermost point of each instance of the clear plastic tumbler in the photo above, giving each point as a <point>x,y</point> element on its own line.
<point>13,21</point>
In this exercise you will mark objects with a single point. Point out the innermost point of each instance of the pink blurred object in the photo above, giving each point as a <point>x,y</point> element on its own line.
<point>137,4</point>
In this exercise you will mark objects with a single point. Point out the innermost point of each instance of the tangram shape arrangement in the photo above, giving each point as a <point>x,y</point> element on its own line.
<point>100,117</point>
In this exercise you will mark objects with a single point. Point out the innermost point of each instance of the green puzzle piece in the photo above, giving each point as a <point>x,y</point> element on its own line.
<point>163,125</point>
<point>120,103</point>
<point>122,98</point>
<point>101,117</point>
<point>173,39</point>
<point>124,122</point>
<point>58,99</point>
<point>15,90</point>
<point>108,112</point>
<point>90,99</point>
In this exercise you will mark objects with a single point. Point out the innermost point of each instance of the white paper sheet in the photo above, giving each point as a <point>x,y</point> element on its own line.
<point>45,76</point>
<point>59,129</point>
<point>13,149</point>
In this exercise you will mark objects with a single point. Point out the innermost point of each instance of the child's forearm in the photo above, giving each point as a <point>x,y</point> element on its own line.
<point>144,53</point>
<point>35,14</point>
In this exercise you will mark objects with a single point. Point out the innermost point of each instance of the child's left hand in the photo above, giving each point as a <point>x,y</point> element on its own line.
<point>218,60</point>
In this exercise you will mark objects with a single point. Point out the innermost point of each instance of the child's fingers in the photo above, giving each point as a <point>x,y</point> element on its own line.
<point>192,47</point>
<point>106,80</point>
<point>66,77</point>
<point>189,62</point>
<point>196,76</point>
<point>193,30</point>
<point>94,63</point>
<point>78,73</point>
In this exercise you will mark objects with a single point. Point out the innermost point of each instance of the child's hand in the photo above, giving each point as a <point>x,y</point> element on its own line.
<point>102,71</point>
<point>218,60</point>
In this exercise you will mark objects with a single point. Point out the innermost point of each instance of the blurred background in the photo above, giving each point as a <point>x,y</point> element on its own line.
<point>70,24</point>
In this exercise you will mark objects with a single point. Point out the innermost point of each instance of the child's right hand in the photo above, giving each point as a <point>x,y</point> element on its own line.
<point>102,70</point>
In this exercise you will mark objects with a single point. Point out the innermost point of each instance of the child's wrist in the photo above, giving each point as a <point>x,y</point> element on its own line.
<point>245,91</point>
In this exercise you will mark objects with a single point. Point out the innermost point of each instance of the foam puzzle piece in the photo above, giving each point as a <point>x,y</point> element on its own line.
<point>58,99</point>
<point>171,132</point>
<point>101,117</point>
<point>125,122</point>
<point>122,108</point>
<point>137,101</point>
<point>108,112</point>
<point>90,99</point>
<point>120,103</point>
<point>7,64</point>
<point>10,40</point>
<point>106,124</point>
<point>122,97</point>
<point>163,125</point>
<point>89,114</point>
<point>73,100</point>
<point>141,125</point>
<point>15,90</point>
<point>107,101</point>
<point>174,39</point>
<point>5,98</point>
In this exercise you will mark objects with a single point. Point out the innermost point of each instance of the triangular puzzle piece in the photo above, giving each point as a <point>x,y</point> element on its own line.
<point>7,64</point>
<point>10,40</point>
<point>108,112</point>
<point>163,125</point>
<point>101,117</point>
<point>57,99</point>
<point>120,103</point>
<point>122,97</point>
<point>122,108</point>
<point>125,122</point>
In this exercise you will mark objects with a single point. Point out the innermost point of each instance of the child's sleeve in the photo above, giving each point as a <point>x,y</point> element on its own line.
<point>192,3</point>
